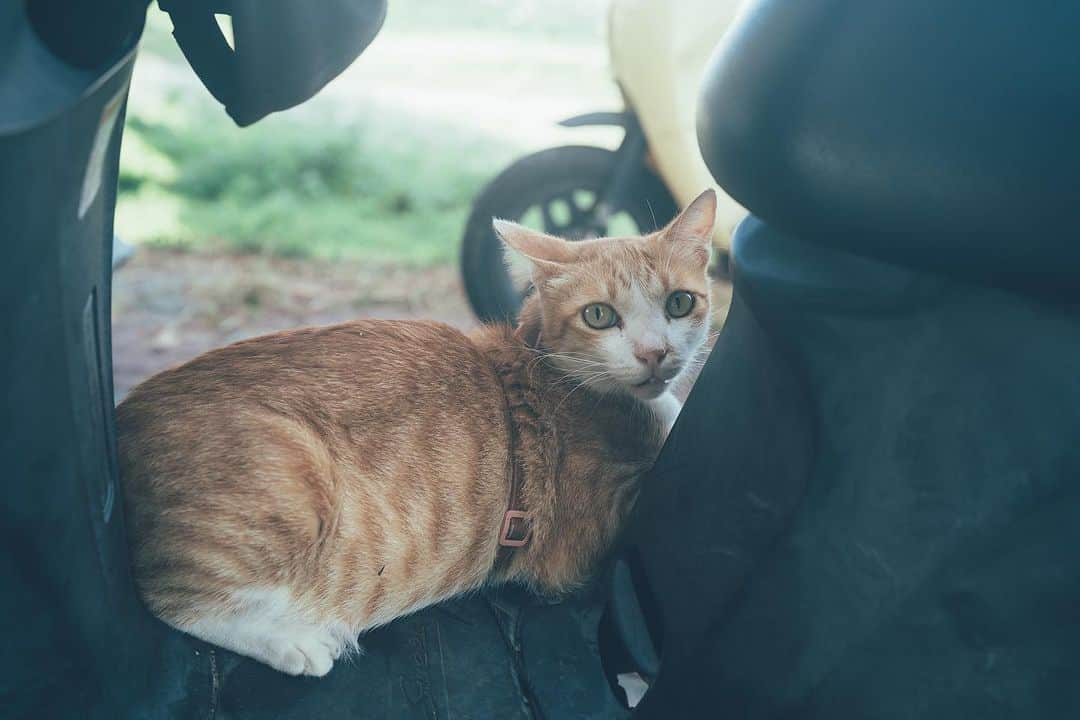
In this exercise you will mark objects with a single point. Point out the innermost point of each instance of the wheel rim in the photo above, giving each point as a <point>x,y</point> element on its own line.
<point>572,215</point>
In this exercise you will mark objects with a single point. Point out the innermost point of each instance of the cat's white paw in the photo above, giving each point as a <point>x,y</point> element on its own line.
<point>318,656</point>
<point>284,657</point>
<point>263,626</point>
<point>307,655</point>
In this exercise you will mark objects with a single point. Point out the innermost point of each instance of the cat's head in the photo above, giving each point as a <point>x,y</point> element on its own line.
<point>620,314</point>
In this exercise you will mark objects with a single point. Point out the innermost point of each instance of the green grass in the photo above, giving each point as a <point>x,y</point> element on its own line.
<point>383,168</point>
<point>378,191</point>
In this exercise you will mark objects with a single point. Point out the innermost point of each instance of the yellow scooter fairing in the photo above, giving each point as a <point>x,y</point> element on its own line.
<point>659,49</point>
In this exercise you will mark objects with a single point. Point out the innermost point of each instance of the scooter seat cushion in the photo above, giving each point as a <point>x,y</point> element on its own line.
<point>939,135</point>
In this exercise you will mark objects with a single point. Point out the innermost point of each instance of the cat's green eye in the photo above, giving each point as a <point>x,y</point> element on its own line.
<point>599,316</point>
<point>679,304</point>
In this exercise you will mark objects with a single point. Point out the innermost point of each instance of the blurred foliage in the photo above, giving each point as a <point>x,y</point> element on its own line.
<point>383,168</point>
<point>561,20</point>
<point>297,189</point>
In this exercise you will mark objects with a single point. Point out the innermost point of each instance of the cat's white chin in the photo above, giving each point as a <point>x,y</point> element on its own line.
<point>650,389</point>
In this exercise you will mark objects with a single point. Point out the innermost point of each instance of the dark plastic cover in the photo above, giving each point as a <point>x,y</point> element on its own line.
<point>284,51</point>
<point>938,134</point>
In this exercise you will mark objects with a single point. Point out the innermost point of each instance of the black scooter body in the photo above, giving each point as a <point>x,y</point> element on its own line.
<point>77,642</point>
<point>894,534</point>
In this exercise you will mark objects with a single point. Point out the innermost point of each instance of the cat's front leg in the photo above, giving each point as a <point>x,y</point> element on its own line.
<point>667,408</point>
<point>263,624</point>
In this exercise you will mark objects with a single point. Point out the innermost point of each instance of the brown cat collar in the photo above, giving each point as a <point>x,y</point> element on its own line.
<point>515,531</point>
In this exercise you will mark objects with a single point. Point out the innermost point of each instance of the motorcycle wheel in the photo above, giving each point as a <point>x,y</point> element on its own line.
<point>556,191</point>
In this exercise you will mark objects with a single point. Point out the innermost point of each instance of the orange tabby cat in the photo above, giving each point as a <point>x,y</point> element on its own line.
<point>288,492</point>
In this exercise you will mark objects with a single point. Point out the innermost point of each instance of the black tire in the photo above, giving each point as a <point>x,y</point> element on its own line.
<point>536,181</point>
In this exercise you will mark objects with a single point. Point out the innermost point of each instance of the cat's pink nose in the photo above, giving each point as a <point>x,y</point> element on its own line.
<point>651,358</point>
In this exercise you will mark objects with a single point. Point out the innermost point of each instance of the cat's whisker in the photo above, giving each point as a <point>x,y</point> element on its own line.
<point>543,354</point>
<point>584,383</point>
<point>573,366</point>
<point>586,362</point>
<point>581,378</point>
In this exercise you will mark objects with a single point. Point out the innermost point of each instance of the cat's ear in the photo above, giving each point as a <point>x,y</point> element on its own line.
<point>693,227</point>
<point>545,254</point>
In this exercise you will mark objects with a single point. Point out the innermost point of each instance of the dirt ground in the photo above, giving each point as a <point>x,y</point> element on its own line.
<point>169,306</point>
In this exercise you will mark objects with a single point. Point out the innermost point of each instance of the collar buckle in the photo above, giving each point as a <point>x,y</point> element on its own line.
<point>513,534</point>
